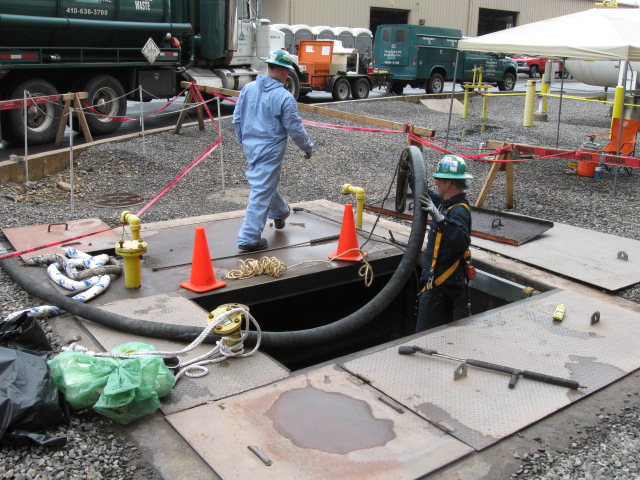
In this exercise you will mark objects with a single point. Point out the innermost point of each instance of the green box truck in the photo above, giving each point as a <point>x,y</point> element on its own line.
<point>424,57</point>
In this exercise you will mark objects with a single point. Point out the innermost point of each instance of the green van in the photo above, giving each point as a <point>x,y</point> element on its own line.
<point>424,57</point>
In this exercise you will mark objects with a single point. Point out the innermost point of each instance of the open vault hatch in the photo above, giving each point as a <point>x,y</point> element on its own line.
<point>355,408</point>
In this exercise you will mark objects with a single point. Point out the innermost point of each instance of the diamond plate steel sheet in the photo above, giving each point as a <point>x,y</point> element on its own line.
<point>224,379</point>
<point>584,255</point>
<point>325,424</point>
<point>480,409</point>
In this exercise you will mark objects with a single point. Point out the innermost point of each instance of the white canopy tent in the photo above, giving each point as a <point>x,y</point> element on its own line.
<point>595,34</point>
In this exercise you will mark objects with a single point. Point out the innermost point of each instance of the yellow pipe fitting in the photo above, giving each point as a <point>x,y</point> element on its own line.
<point>230,327</point>
<point>131,251</point>
<point>359,193</point>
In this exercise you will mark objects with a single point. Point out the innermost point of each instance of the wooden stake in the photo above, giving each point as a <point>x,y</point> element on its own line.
<point>496,167</point>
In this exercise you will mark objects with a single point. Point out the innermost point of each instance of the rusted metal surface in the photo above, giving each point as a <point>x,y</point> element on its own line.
<point>480,409</point>
<point>500,227</point>
<point>325,424</point>
<point>23,238</point>
<point>224,379</point>
<point>505,227</point>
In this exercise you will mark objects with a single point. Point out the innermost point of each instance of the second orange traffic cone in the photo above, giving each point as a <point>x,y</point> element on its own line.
<point>348,238</point>
<point>202,277</point>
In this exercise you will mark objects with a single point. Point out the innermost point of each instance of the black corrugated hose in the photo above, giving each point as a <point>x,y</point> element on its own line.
<point>185,333</point>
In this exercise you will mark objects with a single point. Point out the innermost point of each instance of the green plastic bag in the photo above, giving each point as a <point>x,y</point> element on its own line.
<point>123,389</point>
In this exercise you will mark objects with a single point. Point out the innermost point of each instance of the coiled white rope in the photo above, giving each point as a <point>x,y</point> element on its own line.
<point>219,353</point>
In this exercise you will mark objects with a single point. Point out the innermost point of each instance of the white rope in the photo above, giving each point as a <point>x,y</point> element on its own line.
<point>222,350</point>
<point>275,267</point>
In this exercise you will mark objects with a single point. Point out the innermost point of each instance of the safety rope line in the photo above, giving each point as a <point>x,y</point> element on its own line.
<point>225,347</point>
<point>131,119</point>
<point>190,167</point>
<point>197,95</point>
<point>481,156</point>
<point>273,266</point>
<point>354,129</point>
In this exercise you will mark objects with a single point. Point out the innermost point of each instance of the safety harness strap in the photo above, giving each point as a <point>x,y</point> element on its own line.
<point>431,282</point>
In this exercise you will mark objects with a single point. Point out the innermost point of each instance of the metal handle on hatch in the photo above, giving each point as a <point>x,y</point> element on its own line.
<point>66,226</point>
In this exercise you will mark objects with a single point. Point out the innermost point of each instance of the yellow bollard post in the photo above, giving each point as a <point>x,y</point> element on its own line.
<point>465,112</point>
<point>529,102</point>
<point>545,89</point>
<point>480,70</point>
<point>475,70</point>
<point>618,103</point>
<point>359,193</point>
<point>485,102</point>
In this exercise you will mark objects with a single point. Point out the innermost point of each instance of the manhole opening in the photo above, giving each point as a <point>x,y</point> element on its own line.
<point>118,199</point>
<point>321,306</point>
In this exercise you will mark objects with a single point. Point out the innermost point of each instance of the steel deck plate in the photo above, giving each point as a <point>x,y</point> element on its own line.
<point>502,227</point>
<point>583,255</point>
<point>480,409</point>
<point>306,241</point>
<point>224,379</point>
<point>325,424</point>
<point>23,238</point>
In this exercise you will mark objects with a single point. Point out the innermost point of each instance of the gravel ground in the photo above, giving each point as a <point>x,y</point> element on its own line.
<point>545,189</point>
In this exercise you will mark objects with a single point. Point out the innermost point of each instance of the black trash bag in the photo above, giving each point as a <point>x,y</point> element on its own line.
<point>29,399</point>
<point>24,333</point>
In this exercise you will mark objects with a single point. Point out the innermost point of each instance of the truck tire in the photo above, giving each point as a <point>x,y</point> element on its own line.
<point>508,82</point>
<point>106,95</point>
<point>435,84</point>
<point>42,120</point>
<point>397,88</point>
<point>533,71</point>
<point>360,89</point>
<point>341,89</point>
<point>292,84</point>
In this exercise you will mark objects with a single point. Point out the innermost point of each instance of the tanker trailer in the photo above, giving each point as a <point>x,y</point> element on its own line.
<point>109,48</point>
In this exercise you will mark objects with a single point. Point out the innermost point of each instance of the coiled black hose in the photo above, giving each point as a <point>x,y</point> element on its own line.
<point>186,333</point>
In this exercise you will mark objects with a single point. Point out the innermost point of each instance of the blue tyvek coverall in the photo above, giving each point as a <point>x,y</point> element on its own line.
<point>435,306</point>
<point>264,116</point>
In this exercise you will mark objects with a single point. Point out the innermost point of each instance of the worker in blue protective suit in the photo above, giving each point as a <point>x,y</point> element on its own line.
<point>264,117</point>
<point>443,267</point>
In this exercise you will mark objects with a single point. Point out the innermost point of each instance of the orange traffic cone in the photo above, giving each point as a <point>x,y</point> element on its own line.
<point>202,277</point>
<point>348,238</point>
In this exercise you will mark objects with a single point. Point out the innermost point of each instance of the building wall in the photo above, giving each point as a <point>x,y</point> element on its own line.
<point>460,14</point>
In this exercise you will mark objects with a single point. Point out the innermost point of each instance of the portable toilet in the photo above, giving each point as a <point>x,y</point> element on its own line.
<point>323,33</point>
<point>345,35</point>
<point>289,38</point>
<point>363,41</point>
<point>300,32</point>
